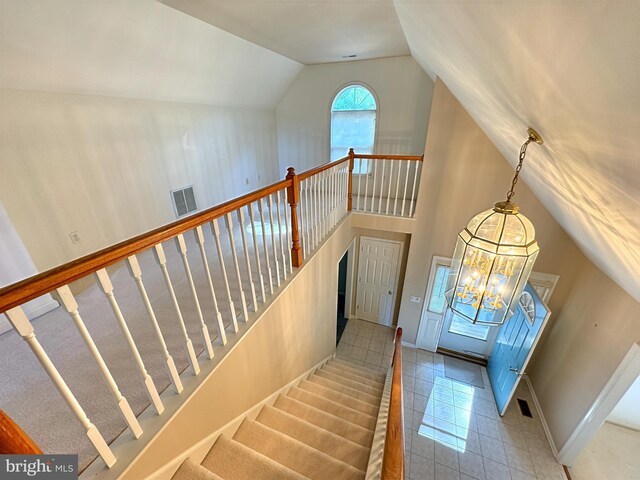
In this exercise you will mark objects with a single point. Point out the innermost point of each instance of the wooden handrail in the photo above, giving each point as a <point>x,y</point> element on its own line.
<point>393,455</point>
<point>37,285</point>
<point>13,440</point>
<point>21,292</point>
<point>418,158</point>
<point>321,168</point>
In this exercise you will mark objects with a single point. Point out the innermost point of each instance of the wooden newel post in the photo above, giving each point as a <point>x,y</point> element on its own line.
<point>350,180</point>
<point>293,194</point>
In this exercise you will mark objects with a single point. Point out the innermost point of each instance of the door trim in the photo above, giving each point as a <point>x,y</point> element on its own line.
<point>394,295</point>
<point>623,377</point>
<point>436,260</point>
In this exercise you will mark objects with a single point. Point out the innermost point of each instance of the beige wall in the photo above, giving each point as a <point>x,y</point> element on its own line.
<point>305,111</point>
<point>593,322</point>
<point>464,174</point>
<point>294,334</point>
<point>598,324</point>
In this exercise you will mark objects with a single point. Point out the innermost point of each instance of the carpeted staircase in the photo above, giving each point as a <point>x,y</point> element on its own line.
<point>322,429</point>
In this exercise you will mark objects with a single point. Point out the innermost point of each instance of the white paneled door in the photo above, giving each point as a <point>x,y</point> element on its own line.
<point>377,279</point>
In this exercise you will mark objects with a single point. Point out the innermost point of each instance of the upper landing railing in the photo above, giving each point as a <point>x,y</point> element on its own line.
<point>257,239</point>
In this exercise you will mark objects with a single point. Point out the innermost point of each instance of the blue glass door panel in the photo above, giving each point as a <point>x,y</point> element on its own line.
<point>516,340</point>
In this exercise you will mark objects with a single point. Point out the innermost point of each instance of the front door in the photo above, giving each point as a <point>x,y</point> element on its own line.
<point>377,278</point>
<point>517,338</point>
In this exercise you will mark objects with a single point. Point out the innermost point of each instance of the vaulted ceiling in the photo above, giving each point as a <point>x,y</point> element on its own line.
<point>569,69</point>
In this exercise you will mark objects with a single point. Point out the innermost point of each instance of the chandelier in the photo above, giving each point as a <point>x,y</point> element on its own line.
<point>493,259</point>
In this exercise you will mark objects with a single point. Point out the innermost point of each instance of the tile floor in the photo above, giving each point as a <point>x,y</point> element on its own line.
<point>453,430</point>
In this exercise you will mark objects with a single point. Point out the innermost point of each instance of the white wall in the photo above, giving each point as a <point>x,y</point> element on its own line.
<point>104,166</point>
<point>627,412</point>
<point>401,87</point>
<point>95,129</point>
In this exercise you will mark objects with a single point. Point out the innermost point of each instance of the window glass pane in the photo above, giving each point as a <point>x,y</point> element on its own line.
<point>464,327</point>
<point>437,302</point>
<point>352,129</point>
<point>354,98</point>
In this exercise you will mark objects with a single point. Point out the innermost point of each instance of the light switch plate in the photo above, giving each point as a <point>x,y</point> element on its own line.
<point>415,299</point>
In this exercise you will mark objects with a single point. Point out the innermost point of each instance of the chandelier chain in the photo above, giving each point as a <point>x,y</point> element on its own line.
<point>523,152</point>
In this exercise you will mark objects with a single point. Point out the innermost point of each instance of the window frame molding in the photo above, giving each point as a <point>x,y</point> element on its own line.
<point>336,92</point>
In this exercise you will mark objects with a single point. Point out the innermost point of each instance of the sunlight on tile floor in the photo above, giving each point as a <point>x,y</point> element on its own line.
<point>453,430</point>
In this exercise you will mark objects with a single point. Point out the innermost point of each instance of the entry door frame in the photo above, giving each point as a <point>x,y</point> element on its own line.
<point>627,372</point>
<point>394,295</point>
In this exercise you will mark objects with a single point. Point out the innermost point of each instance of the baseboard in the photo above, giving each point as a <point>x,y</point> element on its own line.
<point>545,426</point>
<point>198,451</point>
<point>407,344</point>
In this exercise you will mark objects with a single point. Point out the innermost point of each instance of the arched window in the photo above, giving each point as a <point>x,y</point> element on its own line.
<point>353,123</point>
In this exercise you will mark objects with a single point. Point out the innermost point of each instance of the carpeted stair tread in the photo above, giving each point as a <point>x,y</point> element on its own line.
<point>327,421</point>
<point>334,445</point>
<point>337,409</point>
<point>232,460</point>
<point>294,454</point>
<point>357,370</point>
<point>354,378</point>
<point>190,470</point>
<point>358,392</point>
<point>340,398</point>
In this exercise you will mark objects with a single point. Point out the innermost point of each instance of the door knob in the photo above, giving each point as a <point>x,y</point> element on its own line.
<point>389,292</point>
<point>514,370</point>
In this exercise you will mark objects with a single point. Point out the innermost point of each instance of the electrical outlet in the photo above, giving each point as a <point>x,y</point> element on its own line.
<point>259,177</point>
<point>246,181</point>
<point>75,238</point>
<point>415,299</point>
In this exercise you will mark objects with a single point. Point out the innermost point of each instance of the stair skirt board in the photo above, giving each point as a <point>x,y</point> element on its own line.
<point>200,449</point>
<point>314,428</point>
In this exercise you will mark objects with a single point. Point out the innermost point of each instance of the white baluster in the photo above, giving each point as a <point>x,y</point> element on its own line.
<point>234,255</point>
<point>324,198</point>
<point>281,236</point>
<point>366,187</point>
<point>287,225</point>
<point>386,209</point>
<point>308,216</point>
<point>265,245</point>
<point>381,187</point>
<point>395,200</point>
<point>304,215</point>
<point>222,335</point>
<point>161,260</point>
<point>406,182</point>
<point>70,305</point>
<point>104,282</point>
<point>413,190</point>
<point>232,309</point>
<point>23,326</point>
<point>182,250</point>
<point>317,211</point>
<point>273,240</point>
<point>247,259</point>
<point>333,191</point>
<point>134,270</point>
<point>256,252</point>
<point>359,177</point>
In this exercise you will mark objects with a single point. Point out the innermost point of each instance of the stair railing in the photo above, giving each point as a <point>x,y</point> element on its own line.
<point>257,241</point>
<point>393,454</point>
<point>13,440</point>
<point>386,184</point>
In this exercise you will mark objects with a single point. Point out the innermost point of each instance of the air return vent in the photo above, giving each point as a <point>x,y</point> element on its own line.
<point>184,201</point>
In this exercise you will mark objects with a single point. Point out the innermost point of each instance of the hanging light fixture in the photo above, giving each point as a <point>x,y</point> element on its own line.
<point>493,259</point>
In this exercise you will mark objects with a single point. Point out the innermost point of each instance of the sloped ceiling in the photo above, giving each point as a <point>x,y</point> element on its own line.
<point>308,31</point>
<point>135,49</point>
<point>572,71</point>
